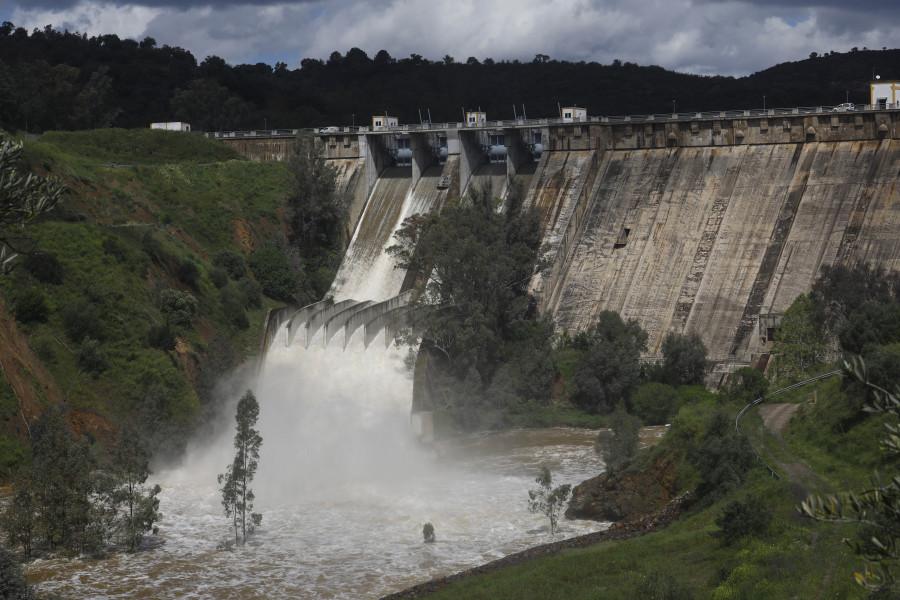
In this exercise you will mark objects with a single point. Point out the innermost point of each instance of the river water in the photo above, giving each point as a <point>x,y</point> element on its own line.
<point>344,489</point>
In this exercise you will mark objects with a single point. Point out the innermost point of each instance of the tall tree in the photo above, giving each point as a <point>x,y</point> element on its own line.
<point>208,106</point>
<point>317,212</point>
<point>237,497</point>
<point>618,444</point>
<point>64,481</point>
<point>136,507</point>
<point>800,344</point>
<point>608,369</point>
<point>472,263</point>
<point>684,358</point>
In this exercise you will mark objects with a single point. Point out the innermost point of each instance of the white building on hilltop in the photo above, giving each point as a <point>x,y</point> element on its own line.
<point>171,126</point>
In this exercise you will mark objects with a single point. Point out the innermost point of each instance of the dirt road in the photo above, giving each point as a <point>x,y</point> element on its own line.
<point>776,416</point>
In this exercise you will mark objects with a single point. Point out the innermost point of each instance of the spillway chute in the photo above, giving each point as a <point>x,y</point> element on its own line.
<point>348,316</point>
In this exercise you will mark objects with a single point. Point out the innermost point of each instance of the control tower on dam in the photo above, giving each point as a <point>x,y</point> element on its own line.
<point>702,222</point>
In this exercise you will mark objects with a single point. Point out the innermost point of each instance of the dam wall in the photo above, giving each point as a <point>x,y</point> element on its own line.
<point>702,229</point>
<point>708,222</point>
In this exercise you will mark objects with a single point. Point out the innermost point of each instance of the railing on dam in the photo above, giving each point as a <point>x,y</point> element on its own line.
<point>534,123</point>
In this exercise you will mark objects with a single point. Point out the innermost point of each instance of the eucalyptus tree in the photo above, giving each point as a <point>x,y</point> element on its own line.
<point>237,497</point>
<point>618,444</point>
<point>136,506</point>
<point>548,500</point>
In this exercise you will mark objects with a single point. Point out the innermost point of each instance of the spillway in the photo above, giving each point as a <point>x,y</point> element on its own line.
<point>366,272</point>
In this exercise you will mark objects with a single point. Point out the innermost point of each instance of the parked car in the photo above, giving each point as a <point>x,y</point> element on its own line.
<point>843,107</point>
<point>331,129</point>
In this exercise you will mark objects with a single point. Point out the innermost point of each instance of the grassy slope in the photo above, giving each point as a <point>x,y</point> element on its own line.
<point>794,558</point>
<point>120,236</point>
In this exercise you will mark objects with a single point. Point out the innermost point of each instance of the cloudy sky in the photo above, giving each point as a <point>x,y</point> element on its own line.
<point>731,37</point>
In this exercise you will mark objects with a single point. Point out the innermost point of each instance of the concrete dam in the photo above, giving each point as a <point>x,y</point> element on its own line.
<point>710,223</point>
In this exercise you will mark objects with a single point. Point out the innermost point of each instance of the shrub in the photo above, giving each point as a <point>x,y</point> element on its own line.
<point>161,336</point>
<point>654,403</point>
<point>178,307</point>
<point>619,443</point>
<point>30,307</point>
<point>233,307</point>
<point>231,262</point>
<point>113,246</point>
<point>218,276</point>
<point>44,267</point>
<point>251,291</point>
<point>151,245</point>
<point>659,586</point>
<point>741,518</point>
<point>745,385</point>
<point>188,273</point>
<point>13,454</point>
<point>273,272</point>
<point>82,317</point>
<point>722,457</point>
<point>91,357</point>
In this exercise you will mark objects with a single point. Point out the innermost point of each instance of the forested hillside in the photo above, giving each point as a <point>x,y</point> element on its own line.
<point>63,80</point>
<point>146,284</point>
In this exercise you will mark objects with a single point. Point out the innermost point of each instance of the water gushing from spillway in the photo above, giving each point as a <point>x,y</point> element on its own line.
<point>343,484</point>
<point>344,489</point>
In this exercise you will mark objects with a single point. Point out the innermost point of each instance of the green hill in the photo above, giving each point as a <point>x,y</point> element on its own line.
<point>96,325</point>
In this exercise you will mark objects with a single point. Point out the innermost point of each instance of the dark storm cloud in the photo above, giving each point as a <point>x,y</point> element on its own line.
<point>701,36</point>
<point>61,5</point>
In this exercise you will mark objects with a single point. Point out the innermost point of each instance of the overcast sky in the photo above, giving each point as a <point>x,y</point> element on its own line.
<point>697,36</point>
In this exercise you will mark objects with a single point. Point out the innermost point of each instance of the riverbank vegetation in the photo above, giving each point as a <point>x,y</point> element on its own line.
<point>744,535</point>
<point>489,360</point>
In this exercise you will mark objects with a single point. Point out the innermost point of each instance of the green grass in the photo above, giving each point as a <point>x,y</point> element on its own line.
<point>837,439</point>
<point>795,558</point>
<point>134,147</point>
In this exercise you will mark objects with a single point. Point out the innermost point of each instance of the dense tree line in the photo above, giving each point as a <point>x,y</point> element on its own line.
<point>63,502</point>
<point>51,80</point>
<point>850,311</point>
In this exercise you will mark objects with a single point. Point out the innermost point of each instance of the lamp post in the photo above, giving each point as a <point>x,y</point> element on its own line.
<point>673,108</point>
<point>764,102</point>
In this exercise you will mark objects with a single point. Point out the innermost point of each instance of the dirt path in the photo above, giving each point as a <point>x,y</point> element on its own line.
<point>776,416</point>
<point>803,480</point>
